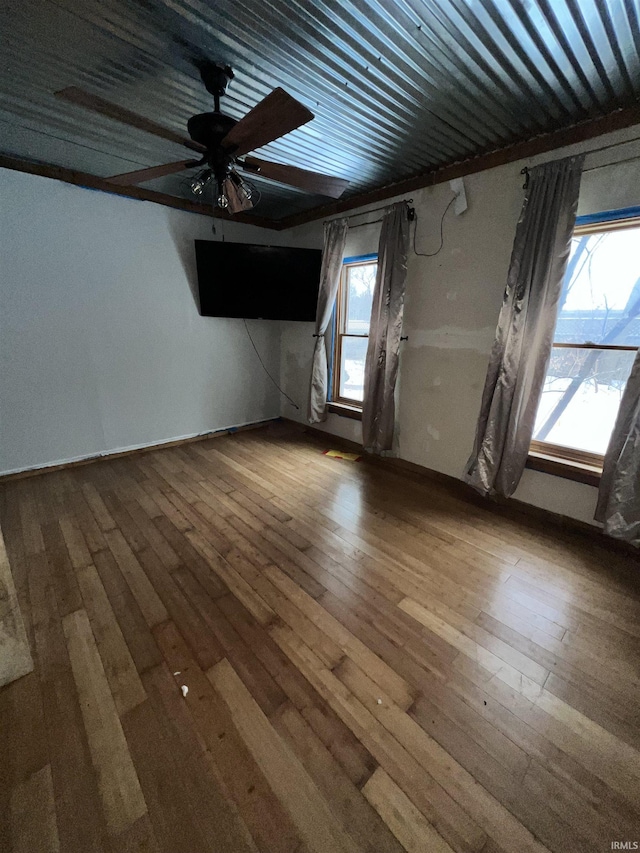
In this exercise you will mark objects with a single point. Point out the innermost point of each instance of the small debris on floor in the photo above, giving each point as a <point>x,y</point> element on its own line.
<point>185,690</point>
<point>343,454</point>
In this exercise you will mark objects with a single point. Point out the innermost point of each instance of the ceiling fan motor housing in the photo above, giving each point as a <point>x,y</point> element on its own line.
<point>209,129</point>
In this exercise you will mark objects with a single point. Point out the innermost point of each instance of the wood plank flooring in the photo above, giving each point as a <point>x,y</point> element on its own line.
<point>368,663</point>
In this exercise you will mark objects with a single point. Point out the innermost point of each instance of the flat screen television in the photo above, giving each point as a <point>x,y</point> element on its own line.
<point>257,282</point>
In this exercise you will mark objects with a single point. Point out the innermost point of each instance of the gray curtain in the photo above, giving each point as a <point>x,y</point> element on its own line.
<point>383,350</point>
<point>335,235</point>
<point>619,493</point>
<point>524,336</point>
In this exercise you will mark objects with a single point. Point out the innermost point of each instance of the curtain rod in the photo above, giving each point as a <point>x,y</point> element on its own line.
<point>373,210</point>
<point>612,145</point>
<point>525,171</point>
<point>360,224</point>
<point>615,162</point>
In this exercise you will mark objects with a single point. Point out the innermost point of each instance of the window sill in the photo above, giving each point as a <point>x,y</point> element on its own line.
<point>345,411</point>
<point>588,474</point>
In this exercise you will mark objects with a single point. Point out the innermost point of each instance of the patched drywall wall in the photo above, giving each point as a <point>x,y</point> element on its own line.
<point>101,344</point>
<point>452,304</point>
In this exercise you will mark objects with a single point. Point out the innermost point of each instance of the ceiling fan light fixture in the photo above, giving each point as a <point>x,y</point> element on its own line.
<point>237,192</point>
<point>200,181</point>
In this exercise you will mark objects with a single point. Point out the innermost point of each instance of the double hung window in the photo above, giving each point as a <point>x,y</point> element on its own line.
<point>351,330</point>
<point>596,338</point>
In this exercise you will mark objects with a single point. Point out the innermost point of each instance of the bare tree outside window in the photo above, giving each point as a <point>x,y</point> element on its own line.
<point>596,337</point>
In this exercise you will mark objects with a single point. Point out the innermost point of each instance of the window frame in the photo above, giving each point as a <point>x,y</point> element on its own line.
<point>339,333</point>
<point>572,457</point>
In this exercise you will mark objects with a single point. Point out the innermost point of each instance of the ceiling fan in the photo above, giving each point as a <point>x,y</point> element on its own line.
<point>222,142</point>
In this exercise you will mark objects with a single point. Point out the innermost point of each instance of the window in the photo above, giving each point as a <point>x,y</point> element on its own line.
<point>595,342</point>
<point>351,329</point>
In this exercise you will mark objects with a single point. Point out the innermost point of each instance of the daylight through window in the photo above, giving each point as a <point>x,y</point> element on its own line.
<point>353,314</point>
<point>596,337</point>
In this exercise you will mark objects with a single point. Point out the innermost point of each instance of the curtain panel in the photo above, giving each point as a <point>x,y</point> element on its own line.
<point>335,236</point>
<point>383,350</point>
<point>526,325</point>
<point>619,493</point>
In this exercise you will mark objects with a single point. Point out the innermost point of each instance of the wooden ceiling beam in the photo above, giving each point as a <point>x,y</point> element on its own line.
<point>84,179</point>
<point>517,151</point>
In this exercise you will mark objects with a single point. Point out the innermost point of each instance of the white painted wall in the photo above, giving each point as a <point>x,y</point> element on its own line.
<point>101,344</point>
<point>452,306</point>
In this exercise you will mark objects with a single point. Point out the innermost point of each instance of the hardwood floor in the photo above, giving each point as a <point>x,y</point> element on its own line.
<point>368,663</point>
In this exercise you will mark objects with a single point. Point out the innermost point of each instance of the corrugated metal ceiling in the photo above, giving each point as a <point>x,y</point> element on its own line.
<point>396,87</point>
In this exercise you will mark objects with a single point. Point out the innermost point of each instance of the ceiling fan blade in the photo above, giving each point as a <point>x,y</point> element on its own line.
<point>142,175</point>
<point>274,116</point>
<point>312,182</point>
<point>84,99</point>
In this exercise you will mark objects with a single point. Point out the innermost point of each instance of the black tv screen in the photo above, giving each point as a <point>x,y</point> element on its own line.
<point>266,282</point>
